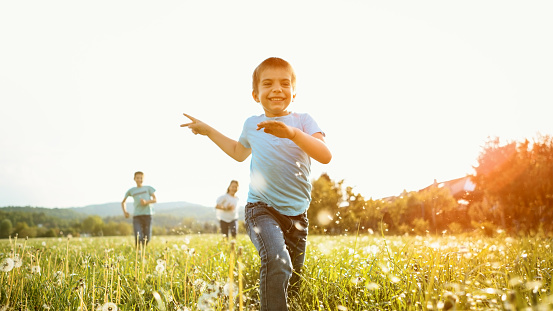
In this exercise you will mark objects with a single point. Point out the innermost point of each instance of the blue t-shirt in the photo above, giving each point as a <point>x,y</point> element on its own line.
<point>279,170</point>
<point>144,192</point>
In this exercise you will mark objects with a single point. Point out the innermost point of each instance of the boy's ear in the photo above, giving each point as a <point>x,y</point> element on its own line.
<point>255,96</point>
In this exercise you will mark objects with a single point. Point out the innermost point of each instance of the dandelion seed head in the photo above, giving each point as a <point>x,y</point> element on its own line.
<point>59,275</point>
<point>256,230</point>
<point>515,281</point>
<point>228,287</point>
<point>160,268</point>
<point>17,261</point>
<point>373,286</point>
<point>342,308</point>
<point>299,226</point>
<point>109,306</point>
<point>535,285</point>
<point>395,279</point>
<point>7,264</point>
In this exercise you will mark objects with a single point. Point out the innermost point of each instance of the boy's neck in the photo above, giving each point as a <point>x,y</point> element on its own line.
<point>138,185</point>
<point>279,116</point>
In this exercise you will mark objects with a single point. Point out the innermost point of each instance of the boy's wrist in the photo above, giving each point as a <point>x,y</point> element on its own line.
<point>294,133</point>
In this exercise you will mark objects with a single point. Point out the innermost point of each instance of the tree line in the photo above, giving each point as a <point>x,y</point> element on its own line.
<point>513,194</point>
<point>42,222</point>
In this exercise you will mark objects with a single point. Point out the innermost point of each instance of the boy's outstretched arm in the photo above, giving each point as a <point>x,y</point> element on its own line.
<point>231,147</point>
<point>313,145</point>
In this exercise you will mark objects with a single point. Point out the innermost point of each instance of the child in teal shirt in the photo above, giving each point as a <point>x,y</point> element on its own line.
<point>282,144</point>
<point>144,198</point>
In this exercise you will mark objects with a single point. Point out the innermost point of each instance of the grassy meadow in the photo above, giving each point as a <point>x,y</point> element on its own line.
<point>205,272</point>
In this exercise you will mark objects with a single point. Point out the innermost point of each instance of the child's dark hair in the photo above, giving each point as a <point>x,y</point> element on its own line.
<point>271,62</point>
<point>231,182</point>
<point>138,173</point>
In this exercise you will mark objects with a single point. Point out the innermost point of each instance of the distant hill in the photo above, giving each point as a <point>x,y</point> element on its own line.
<point>176,209</point>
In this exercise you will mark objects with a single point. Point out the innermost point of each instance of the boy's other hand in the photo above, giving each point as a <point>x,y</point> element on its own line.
<point>126,214</point>
<point>277,128</point>
<point>197,126</point>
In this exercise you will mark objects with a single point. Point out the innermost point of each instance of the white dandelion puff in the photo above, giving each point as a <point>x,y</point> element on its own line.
<point>6,265</point>
<point>256,229</point>
<point>109,306</point>
<point>58,275</point>
<point>372,286</point>
<point>227,287</point>
<point>35,270</point>
<point>160,268</point>
<point>17,262</point>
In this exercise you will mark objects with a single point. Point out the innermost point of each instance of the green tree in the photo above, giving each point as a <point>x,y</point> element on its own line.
<point>516,180</point>
<point>326,197</point>
<point>93,225</point>
<point>6,227</point>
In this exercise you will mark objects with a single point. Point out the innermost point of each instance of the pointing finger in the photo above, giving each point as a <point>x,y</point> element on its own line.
<point>189,117</point>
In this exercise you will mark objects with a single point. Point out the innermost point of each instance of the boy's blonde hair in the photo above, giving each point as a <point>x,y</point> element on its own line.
<point>271,62</point>
<point>138,173</point>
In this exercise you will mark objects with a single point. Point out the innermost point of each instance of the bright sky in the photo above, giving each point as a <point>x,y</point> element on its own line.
<point>406,91</point>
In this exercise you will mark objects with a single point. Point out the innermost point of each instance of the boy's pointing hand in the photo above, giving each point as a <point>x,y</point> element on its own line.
<point>197,126</point>
<point>277,128</point>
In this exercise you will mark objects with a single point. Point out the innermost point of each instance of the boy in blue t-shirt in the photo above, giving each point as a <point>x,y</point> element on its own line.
<point>144,198</point>
<point>281,144</point>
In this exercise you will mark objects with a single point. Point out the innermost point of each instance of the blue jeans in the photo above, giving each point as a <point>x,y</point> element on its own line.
<point>280,241</point>
<point>229,226</point>
<point>142,225</point>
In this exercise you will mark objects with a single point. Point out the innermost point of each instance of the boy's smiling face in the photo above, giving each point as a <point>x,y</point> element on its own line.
<point>275,91</point>
<point>139,179</point>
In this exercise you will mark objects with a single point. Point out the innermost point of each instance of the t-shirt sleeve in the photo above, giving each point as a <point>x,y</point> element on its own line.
<point>244,136</point>
<point>220,200</point>
<point>152,190</point>
<point>128,193</point>
<point>310,126</point>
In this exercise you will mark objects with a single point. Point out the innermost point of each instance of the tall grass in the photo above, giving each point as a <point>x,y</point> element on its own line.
<point>206,272</point>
